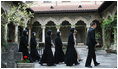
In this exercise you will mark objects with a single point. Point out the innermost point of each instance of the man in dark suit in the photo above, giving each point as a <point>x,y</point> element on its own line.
<point>91,42</point>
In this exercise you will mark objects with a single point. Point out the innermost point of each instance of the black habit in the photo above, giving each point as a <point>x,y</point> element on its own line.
<point>59,54</point>
<point>23,45</point>
<point>71,54</point>
<point>47,56</point>
<point>91,47</point>
<point>33,52</point>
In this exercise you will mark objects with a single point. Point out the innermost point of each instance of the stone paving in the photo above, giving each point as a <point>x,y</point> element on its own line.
<point>105,60</point>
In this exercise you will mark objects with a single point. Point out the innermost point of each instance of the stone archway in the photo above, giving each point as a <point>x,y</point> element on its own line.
<point>65,28</point>
<point>81,32</point>
<point>51,26</point>
<point>11,32</point>
<point>20,31</point>
<point>36,27</point>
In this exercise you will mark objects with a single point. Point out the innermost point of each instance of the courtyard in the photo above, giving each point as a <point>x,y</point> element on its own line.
<point>106,60</point>
<point>41,16</point>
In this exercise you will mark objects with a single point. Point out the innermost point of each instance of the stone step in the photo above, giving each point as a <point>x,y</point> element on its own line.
<point>82,46</point>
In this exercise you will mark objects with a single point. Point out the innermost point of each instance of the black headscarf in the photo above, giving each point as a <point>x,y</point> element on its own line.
<point>49,32</point>
<point>58,33</point>
<point>33,34</point>
<point>72,30</point>
<point>24,33</point>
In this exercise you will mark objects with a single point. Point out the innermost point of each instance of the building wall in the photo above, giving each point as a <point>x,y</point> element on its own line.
<point>72,19</point>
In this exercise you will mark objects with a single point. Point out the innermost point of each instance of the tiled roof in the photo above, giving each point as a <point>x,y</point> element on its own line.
<point>64,8</point>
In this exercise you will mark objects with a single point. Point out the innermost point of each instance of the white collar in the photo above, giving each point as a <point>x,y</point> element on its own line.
<point>92,27</point>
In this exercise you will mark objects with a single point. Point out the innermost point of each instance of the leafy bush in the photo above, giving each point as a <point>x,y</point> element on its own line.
<point>110,28</point>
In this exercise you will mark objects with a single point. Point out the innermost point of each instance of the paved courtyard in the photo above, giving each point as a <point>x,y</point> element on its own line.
<point>105,60</point>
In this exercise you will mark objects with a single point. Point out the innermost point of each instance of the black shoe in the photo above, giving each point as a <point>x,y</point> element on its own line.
<point>51,65</point>
<point>77,63</point>
<point>97,64</point>
<point>41,63</point>
<point>69,64</point>
<point>89,66</point>
<point>80,60</point>
<point>57,62</point>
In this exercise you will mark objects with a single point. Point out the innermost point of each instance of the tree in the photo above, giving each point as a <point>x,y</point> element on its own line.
<point>17,15</point>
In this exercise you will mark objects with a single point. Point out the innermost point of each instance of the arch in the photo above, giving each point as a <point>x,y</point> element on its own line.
<point>65,19</point>
<point>65,28</point>
<point>81,31</point>
<point>50,19</point>
<point>108,14</point>
<point>81,22</point>
<point>20,31</point>
<point>11,31</point>
<point>81,19</point>
<point>36,22</point>
<point>38,19</point>
<point>95,20</point>
<point>50,23</point>
<point>51,26</point>
<point>36,27</point>
<point>65,23</point>
<point>95,17</point>
<point>114,11</point>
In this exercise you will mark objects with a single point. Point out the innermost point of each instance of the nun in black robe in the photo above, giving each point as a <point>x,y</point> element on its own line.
<point>33,51</point>
<point>71,54</point>
<point>23,47</point>
<point>59,54</point>
<point>47,56</point>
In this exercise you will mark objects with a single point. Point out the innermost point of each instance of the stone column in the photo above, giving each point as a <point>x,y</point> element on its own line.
<point>29,33</point>
<point>58,27</point>
<point>115,41</point>
<point>103,36</point>
<point>16,33</point>
<point>24,28</point>
<point>87,26</point>
<point>25,25</point>
<point>43,34</point>
<point>5,32</point>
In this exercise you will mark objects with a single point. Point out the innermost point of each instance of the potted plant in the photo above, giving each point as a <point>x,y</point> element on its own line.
<point>25,63</point>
